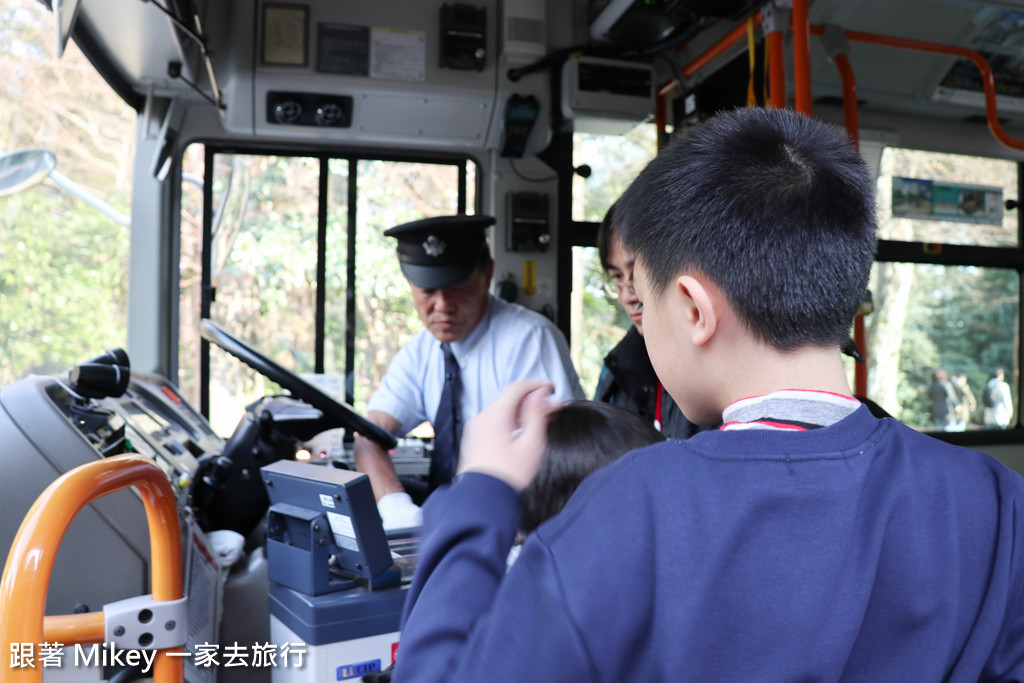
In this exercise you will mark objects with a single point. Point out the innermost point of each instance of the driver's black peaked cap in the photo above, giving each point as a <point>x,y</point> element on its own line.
<point>440,252</point>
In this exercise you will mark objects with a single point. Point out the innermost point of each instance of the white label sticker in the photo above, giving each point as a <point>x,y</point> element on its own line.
<point>398,54</point>
<point>341,524</point>
<point>326,501</point>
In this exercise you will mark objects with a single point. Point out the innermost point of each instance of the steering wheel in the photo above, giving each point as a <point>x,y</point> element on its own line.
<point>340,412</point>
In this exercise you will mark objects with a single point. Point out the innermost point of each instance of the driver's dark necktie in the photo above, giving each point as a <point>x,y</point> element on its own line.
<point>447,423</point>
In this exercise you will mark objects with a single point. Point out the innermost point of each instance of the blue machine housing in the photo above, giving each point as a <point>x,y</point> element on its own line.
<point>332,577</point>
<point>323,530</point>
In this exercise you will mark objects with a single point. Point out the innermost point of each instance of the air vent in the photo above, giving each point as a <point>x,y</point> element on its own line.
<point>309,109</point>
<point>287,111</point>
<point>330,114</point>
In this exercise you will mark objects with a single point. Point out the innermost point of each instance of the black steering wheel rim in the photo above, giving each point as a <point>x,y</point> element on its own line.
<point>299,388</point>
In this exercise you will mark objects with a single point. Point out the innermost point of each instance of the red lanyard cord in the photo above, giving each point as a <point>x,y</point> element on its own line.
<point>657,406</point>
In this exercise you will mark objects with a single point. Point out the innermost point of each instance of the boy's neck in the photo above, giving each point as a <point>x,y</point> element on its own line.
<point>763,369</point>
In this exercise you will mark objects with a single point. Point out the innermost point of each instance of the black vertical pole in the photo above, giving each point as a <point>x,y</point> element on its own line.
<point>321,266</point>
<point>350,286</point>
<point>207,293</point>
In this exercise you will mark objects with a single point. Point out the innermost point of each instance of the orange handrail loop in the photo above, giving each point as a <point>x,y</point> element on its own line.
<point>30,562</point>
<point>987,77</point>
<point>802,57</point>
<point>719,48</point>
<point>775,21</point>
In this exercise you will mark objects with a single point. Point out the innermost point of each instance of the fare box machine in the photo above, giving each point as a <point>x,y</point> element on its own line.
<point>337,584</point>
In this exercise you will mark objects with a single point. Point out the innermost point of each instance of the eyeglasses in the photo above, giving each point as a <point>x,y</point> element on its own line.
<point>615,286</point>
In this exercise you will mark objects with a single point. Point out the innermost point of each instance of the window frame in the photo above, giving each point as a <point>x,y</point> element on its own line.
<point>323,156</point>
<point>1012,258</point>
<point>584,234</point>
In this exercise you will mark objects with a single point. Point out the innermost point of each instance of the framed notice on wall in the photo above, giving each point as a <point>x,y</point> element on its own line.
<point>285,35</point>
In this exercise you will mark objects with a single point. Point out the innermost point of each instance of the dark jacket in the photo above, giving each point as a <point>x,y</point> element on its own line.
<point>628,380</point>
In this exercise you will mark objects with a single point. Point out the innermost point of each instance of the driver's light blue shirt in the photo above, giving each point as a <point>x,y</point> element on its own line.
<point>510,343</point>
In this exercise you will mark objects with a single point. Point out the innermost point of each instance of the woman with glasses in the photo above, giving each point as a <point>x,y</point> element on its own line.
<point>627,378</point>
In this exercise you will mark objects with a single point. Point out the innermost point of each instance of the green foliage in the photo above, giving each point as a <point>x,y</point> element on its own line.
<point>959,319</point>
<point>265,262</point>
<point>63,265</point>
<point>602,320</point>
<point>62,284</point>
<point>615,160</point>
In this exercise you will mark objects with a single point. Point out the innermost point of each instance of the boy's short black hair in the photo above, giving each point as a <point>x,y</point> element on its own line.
<point>774,207</point>
<point>582,437</point>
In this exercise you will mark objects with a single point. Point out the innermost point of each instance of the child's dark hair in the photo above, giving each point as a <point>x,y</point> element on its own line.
<point>774,207</point>
<point>605,231</point>
<point>582,437</point>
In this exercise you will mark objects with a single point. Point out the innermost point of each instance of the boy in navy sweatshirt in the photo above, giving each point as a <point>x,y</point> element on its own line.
<point>804,540</point>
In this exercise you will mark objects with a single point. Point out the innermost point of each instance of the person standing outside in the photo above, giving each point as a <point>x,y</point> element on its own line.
<point>943,402</point>
<point>998,401</point>
<point>473,345</point>
<point>966,400</point>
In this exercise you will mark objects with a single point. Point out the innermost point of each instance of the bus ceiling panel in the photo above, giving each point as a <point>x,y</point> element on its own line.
<point>899,80</point>
<point>389,73</point>
<point>937,85</point>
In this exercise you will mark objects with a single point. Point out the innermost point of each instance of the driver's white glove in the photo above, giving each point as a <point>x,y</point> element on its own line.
<point>397,511</point>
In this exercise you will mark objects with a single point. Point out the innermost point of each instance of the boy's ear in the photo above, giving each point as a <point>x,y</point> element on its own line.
<point>701,311</point>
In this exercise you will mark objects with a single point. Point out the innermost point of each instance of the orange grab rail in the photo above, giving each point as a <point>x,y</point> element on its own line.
<point>851,120</point>
<point>724,43</point>
<point>74,628</point>
<point>987,78</point>
<point>801,57</point>
<point>777,69</point>
<point>30,562</point>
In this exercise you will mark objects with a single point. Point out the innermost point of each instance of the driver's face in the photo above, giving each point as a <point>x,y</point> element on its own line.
<point>450,314</point>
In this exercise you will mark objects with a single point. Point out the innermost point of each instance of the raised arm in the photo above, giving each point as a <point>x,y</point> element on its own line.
<point>453,626</point>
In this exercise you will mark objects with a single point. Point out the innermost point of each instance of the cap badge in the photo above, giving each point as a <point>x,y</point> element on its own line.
<point>433,246</point>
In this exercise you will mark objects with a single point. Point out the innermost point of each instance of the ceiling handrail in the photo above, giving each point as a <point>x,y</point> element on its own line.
<point>987,77</point>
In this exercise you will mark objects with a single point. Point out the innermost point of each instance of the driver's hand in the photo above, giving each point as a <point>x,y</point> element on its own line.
<point>397,511</point>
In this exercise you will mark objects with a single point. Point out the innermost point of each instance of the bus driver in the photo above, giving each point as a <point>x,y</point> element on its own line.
<point>474,345</point>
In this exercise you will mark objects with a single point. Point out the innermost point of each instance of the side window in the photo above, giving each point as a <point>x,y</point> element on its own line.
<point>597,320</point>
<point>67,144</point>
<point>945,290</point>
<point>297,266</point>
<point>614,161</point>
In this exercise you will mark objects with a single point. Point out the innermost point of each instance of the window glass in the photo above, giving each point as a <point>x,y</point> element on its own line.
<point>336,301</point>
<point>263,259</point>
<point>390,193</point>
<point>63,260</point>
<point>946,198</point>
<point>263,272</point>
<point>190,271</point>
<point>614,161</point>
<point>597,321</point>
<point>954,319</point>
